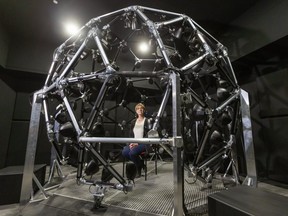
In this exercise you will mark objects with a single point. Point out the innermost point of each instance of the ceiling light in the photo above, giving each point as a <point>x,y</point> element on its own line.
<point>71,28</point>
<point>144,47</point>
<point>55,1</point>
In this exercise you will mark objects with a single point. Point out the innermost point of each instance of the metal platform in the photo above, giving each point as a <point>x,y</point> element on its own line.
<point>151,197</point>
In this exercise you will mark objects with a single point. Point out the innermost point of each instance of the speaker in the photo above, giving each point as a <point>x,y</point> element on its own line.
<point>11,182</point>
<point>244,201</point>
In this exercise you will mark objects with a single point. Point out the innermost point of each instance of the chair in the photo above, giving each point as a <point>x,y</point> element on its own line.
<point>145,156</point>
<point>155,154</point>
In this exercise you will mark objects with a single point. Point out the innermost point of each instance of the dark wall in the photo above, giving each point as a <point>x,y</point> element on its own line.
<point>7,95</point>
<point>264,75</point>
<point>19,134</point>
<point>16,89</point>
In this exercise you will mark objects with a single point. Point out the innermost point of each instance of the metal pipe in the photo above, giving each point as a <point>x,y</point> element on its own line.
<point>153,30</point>
<point>223,72</point>
<point>236,117</point>
<point>194,62</point>
<point>108,14</point>
<point>193,24</point>
<point>58,151</point>
<point>50,88</point>
<point>96,155</point>
<point>212,158</point>
<point>145,74</point>
<point>178,167</point>
<point>97,104</point>
<point>231,69</point>
<point>197,98</point>
<point>201,147</point>
<point>73,36</point>
<point>124,140</point>
<point>100,47</point>
<point>204,43</point>
<point>162,107</point>
<point>228,101</point>
<point>50,73</point>
<point>72,116</point>
<point>74,59</point>
<point>178,19</point>
<point>46,116</point>
<point>82,78</point>
<point>160,11</point>
<point>217,154</point>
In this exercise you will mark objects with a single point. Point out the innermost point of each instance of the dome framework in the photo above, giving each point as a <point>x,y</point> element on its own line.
<point>188,76</point>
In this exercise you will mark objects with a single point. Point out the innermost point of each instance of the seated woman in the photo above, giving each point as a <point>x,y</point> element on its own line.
<point>139,129</point>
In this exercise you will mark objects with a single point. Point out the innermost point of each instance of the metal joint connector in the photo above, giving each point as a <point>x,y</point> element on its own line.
<point>38,97</point>
<point>177,141</point>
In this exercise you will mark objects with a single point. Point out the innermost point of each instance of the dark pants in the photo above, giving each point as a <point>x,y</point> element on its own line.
<point>133,154</point>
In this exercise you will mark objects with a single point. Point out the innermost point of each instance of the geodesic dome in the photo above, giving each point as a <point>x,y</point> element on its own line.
<point>135,55</point>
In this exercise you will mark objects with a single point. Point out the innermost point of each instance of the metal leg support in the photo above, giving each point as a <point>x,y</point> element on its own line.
<point>55,165</point>
<point>177,144</point>
<point>30,150</point>
<point>251,178</point>
<point>40,188</point>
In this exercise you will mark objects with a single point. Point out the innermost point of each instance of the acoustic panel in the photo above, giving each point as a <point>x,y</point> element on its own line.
<point>244,201</point>
<point>11,181</point>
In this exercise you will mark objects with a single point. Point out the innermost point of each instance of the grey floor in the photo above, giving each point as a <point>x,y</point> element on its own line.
<point>152,197</point>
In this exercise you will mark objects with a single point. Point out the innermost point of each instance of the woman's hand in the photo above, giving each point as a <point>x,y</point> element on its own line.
<point>132,145</point>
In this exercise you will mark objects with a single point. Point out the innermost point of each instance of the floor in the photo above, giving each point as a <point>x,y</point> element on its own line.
<point>151,197</point>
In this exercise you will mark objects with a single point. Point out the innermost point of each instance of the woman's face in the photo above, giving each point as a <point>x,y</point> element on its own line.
<point>140,110</point>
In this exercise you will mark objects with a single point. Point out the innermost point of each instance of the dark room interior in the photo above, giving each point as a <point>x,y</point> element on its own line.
<point>254,32</point>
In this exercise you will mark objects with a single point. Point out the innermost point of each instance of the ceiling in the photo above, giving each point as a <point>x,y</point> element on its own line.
<point>43,20</point>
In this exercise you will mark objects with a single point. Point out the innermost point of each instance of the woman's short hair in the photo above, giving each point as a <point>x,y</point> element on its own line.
<point>140,105</point>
